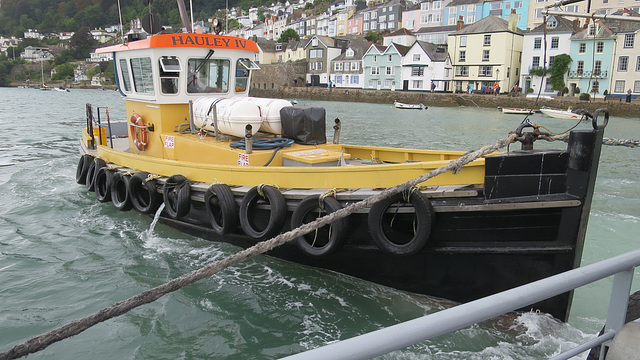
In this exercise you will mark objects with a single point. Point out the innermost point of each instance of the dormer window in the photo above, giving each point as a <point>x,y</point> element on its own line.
<point>349,53</point>
<point>552,23</point>
<point>314,42</point>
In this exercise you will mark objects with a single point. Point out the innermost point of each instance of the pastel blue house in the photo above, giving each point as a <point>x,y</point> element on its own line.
<point>383,66</point>
<point>502,8</point>
<point>591,55</point>
<point>469,11</point>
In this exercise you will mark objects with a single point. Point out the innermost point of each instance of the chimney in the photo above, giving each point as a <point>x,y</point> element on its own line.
<point>460,24</point>
<point>513,21</point>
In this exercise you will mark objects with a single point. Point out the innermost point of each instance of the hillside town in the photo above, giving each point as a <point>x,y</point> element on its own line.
<point>471,46</point>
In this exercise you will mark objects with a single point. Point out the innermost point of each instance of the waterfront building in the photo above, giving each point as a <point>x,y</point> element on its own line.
<point>386,17</point>
<point>294,51</point>
<point>355,23</point>
<point>437,34</point>
<point>536,44</point>
<point>346,68</point>
<point>591,52</point>
<point>504,9</point>
<point>486,52</point>
<point>400,36</point>
<point>35,54</point>
<point>469,10</point>
<point>320,50</point>
<point>426,65</point>
<point>625,74</point>
<point>383,66</point>
<point>411,18</point>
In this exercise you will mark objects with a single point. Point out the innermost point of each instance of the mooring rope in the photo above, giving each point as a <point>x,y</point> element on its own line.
<point>75,327</point>
<point>605,141</point>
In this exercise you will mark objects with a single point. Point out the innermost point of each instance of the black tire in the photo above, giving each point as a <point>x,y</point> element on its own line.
<point>221,209</point>
<point>102,184</point>
<point>400,234</point>
<point>176,195</point>
<point>252,223</point>
<point>144,194</point>
<point>91,176</point>
<point>83,167</point>
<point>120,192</point>
<point>326,240</point>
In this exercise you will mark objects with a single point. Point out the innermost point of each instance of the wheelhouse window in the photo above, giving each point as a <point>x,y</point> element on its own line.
<point>169,73</point>
<point>208,75</point>
<point>142,75</point>
<point>126,80</point>
<point>243,69</point>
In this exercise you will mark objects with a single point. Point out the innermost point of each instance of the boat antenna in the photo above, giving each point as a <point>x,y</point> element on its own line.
<point>191,10</point>
<point>183,16</point>
<point>121,26</point>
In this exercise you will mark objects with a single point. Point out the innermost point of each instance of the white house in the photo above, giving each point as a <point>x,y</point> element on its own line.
<point>425,66</point>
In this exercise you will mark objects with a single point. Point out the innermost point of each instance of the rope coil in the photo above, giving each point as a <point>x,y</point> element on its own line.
<point>75,327</point>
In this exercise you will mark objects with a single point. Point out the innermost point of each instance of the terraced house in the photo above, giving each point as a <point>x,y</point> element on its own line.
<point>383,65</point>
<point>591,54</point>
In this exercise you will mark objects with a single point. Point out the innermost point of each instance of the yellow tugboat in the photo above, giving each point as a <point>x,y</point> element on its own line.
<point>229,167</point>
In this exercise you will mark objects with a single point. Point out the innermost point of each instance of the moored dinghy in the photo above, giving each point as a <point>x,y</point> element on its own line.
<point>503,221</point>
<point>399,105</point>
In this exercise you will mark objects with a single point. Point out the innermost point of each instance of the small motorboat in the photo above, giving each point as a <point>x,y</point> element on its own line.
<point>61,89</point>
<point>560,114</point>
<point>400,105</point>
<point>518,111</point>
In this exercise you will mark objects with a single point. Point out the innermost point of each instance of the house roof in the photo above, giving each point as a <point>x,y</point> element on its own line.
<point>464,2</point>
<point>620,26</point>
<point>435,29</point>
<point>563,25</point>
<point>432,50</point>
<point>326,40</point>
<point>403,50</point>
<point>359,47</point>
<point>400,32</point>
<point>490,24</point>
<point>268,46</point>
<point>603,32</point>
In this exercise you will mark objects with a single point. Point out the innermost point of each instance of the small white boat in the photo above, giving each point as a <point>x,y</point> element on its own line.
<point>560,114</point>
<point>517,111</point>
<point>61,89</point>
<point>400,105</point>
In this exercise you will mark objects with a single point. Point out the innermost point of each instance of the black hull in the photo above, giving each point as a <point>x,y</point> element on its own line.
<point>527,223</point>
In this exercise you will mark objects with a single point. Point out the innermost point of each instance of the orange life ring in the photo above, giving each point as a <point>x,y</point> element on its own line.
<point>139,132</point>
<point>496,86</point>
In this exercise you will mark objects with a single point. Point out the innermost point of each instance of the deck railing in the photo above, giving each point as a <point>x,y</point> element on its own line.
<point>430,326</point>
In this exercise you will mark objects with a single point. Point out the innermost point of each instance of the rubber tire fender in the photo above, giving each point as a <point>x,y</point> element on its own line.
<point>91,173</point>
<point>425,217</point>
<point>102,184</point>
<point>338,230</point>
<point>144,194</point>
<point>277,213</point>
<point>120,192</point>
<point>176,195</point>
<point>221,209</point>
<point>83,167</point>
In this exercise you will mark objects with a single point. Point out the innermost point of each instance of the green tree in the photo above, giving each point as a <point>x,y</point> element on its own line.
<point>373,36</point>
<point>559,68</point>
<point>289,34</point>
<point>63,72</point>
<point>82,43</point>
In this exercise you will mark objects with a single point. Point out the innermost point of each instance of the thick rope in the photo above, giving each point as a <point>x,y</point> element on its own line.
<point>605,141</point>
<point>75,327</point>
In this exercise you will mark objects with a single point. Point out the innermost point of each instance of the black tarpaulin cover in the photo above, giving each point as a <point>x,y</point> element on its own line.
<point>304,124</point>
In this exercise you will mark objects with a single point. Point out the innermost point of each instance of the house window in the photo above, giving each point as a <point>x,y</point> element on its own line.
<point>437,5</point>
<point>314,42</point>
<point>623,63</point>
<point>417,84</point>
<point>517,4</point>
<point>537,43</point>
<point>452,19</point>
<point>628,40</point>
<point>580,68</point>
<point>582,48</point>
<point>485,55</point>
<point>375,70</point>
<point>416,57</point>
<point>600,47</point>
<point>597,67</point>
<point>638,63</point>
<point>471,8</point>
<point>548,86</point>
<point>496,5</point>
<point>535,63</point>
<point>389,70</point>
<point>461,8</point>
<point>463,41</point>
<point>619,86</point>
<point>463,56</point>
<point>487,40</point>
<point>551,60</point>
<point>391,17</point>
<point>471,18</point>
<point>375,58</point>
<point>337,66</point>
<point>390,58</point>
<point>374,15</point>
<point>355,65</point>
<point>417,70</point>
<point>537,14</point>
<point>595,87</point>
<point>485,70</point>
<point>424,6</point>
<point>636,86</point>
<point>555,41</point>
<point>316,53</point>
<point>462,70</point>
<point>552,23</point>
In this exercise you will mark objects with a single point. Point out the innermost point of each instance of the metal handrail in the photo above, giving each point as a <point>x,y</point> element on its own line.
<point>430,326</point>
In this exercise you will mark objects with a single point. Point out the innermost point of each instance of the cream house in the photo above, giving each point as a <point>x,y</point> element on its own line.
<point>486,52</point>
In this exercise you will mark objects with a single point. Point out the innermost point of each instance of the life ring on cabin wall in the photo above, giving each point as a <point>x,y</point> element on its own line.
<point>139,132</point>
<point>253,223</point>
<point>144,193</point>
<point>325,240</point>
<point>176,194</point>
<point>221,209</point>
<point>397,233</point>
